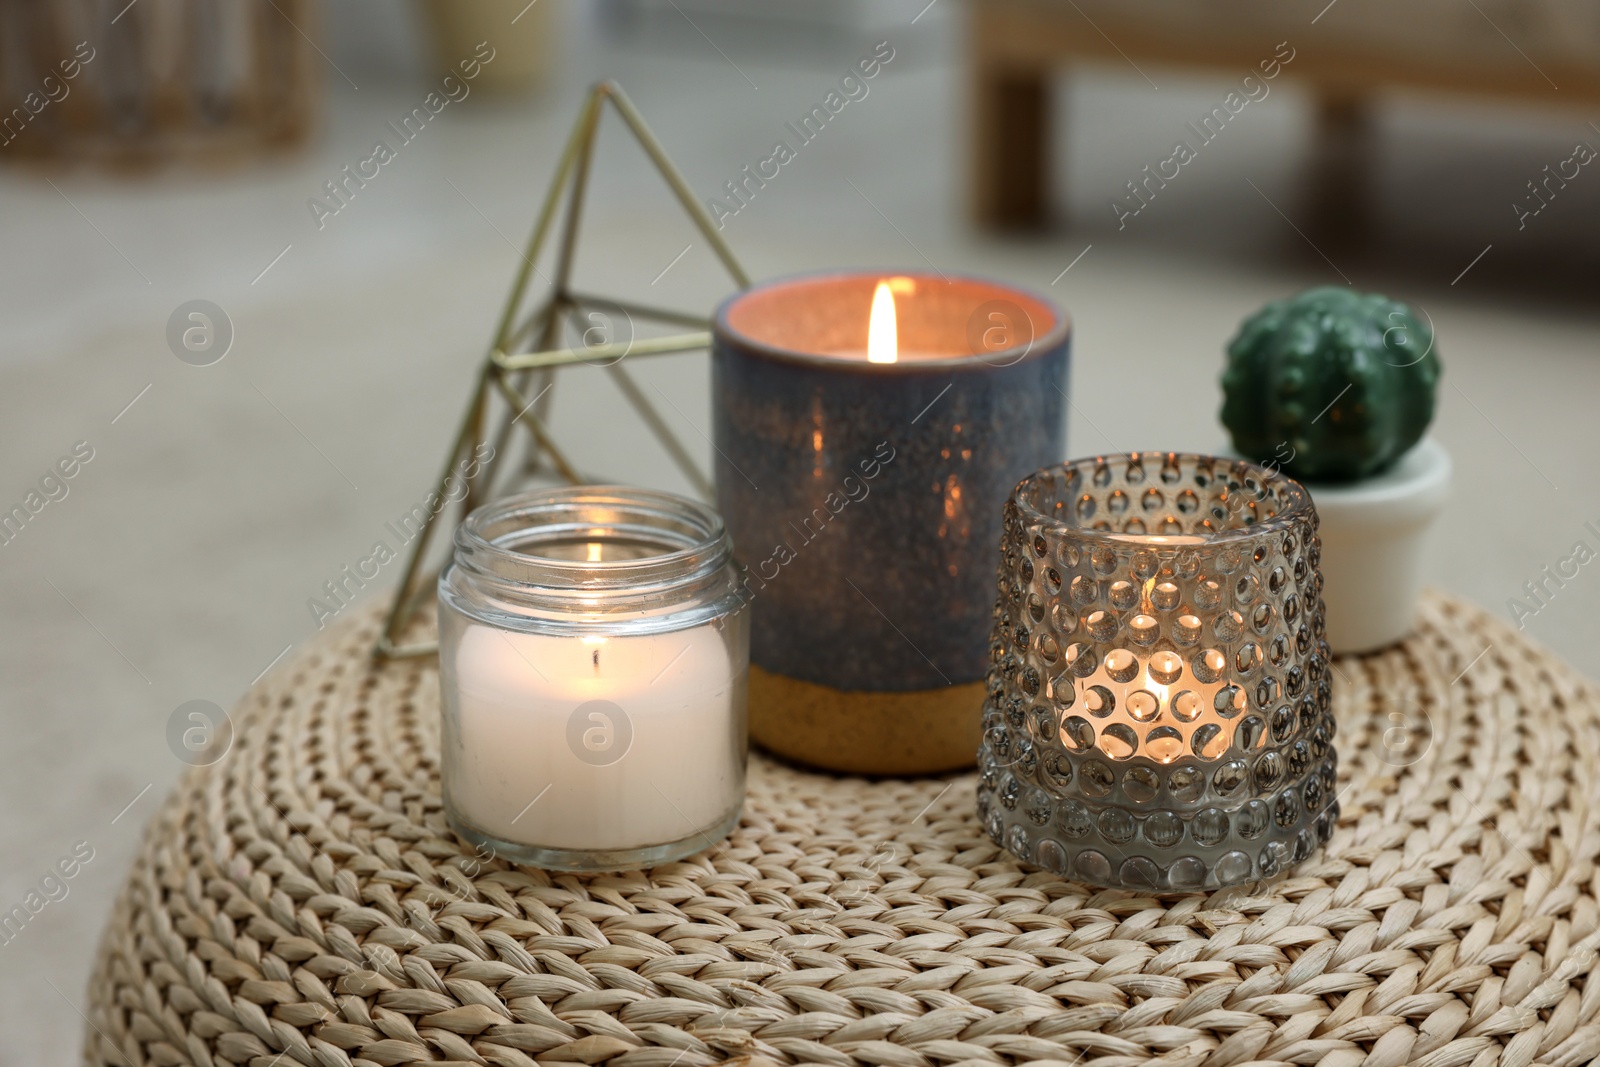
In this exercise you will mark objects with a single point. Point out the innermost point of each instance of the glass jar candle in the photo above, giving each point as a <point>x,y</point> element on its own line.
<point>1158,707</point>
<point>593,657</point>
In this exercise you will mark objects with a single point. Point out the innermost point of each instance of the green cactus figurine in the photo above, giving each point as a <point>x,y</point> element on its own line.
<point>1330,385</point>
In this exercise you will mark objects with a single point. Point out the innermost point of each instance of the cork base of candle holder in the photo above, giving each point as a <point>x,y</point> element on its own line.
<point>922,731</point>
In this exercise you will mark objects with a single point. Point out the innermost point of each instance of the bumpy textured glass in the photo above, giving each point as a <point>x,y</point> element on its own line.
<point>1158,704</point>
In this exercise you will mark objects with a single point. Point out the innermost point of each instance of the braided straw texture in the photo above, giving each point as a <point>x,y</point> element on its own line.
<point>302,902</point>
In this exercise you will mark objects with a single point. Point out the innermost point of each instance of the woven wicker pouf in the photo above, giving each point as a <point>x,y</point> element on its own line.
<point>302,902</point>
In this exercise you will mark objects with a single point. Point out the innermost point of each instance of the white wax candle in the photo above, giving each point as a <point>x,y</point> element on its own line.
<point>659,759</point>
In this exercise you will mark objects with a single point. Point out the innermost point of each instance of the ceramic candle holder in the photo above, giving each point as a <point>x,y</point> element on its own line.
<point>592,657</point>
<point>864,499</point>
<point>1158,709</point>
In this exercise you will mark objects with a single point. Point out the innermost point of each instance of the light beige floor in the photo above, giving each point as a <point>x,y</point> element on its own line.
<point>180,564</point>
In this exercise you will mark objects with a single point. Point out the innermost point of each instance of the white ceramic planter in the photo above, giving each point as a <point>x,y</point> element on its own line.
<point>1374,534</point>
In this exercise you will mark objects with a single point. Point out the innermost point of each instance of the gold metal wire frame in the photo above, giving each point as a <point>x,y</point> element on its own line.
<point>515,375</point>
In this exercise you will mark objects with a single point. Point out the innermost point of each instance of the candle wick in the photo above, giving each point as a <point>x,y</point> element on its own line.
<point>597,660</point>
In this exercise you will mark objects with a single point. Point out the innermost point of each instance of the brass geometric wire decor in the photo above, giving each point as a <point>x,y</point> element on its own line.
<point>514,375</point>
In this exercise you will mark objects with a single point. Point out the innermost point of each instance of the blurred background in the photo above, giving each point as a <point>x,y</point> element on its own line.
<point>154,153</point>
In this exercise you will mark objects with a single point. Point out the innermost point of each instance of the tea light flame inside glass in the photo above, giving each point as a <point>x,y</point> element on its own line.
<point>1159,715</point>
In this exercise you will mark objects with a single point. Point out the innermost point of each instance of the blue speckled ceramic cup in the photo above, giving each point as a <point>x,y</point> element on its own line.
<point>864,498</point>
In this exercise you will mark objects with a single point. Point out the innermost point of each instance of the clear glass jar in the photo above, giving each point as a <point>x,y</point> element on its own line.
<point>593,657</point>
<point>1158,713</point>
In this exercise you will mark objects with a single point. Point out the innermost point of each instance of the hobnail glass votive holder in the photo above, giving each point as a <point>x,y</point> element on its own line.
<point>1158,709</point>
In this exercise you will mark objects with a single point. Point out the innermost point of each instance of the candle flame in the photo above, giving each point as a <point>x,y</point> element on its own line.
<point>883,335</point>
<point>594,551</point>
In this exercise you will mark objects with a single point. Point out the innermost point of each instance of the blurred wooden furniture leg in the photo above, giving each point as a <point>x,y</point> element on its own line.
<point>1340,173</point>
<point>1008,154</point>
